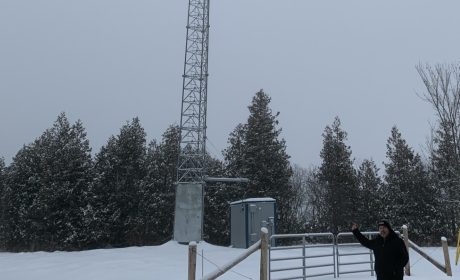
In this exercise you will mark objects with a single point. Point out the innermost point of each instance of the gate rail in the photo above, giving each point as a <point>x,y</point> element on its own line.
<point>342,253</point>
<point>303,257</point>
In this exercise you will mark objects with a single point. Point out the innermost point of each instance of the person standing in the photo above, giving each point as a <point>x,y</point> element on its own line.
<point>389,250</point>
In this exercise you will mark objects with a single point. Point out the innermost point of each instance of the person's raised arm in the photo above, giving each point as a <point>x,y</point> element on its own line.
<point>361,238</point>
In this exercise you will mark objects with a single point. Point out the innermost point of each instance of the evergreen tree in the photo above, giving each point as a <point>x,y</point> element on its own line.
<point>20,199</point>
<point>445,175</point>
<point>120,169</point>
<point>2,174</point>
<point>217,199</point>
<point>2,203</point>
<point>158,188</point>
<point>234,155</point>
<point>256,152</point>
<point>47,188</point>
<point>370,196</point>
<point>316,203</point>
<point>338,178</point>
<point>70,175</point>
<point>151,199</point>
<point>443,94</point>
<point>408,195</point>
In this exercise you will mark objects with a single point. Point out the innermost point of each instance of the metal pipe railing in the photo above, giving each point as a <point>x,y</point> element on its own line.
<point>343,254</point>
<point>304,267</point>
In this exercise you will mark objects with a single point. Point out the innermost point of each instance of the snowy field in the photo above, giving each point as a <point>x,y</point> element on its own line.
<point>168,261</point>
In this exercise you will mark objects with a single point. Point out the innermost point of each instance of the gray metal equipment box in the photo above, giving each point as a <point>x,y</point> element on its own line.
<point>247,217</point>
<point>188,218</point>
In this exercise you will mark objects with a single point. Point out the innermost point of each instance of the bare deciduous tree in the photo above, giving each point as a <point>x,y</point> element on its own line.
<point>302,204</point>
<point>442,83</point>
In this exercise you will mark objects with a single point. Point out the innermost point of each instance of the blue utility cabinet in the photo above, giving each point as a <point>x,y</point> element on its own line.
<point>247,217</point>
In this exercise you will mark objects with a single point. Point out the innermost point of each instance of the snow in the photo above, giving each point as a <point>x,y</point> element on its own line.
<point>169,261</point>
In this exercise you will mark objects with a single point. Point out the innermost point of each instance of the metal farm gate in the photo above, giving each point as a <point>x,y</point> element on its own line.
<point>348,251</point>
<point>290,257</point>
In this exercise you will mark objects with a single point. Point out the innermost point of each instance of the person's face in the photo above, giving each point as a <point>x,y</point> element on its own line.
<point>384,231</point>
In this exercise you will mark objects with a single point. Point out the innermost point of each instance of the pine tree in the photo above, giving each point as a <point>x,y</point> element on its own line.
<point>217,199</point>
<point>69,180</point>
<point>370,196</point>
<point>443,94</point>
<point>120,169</point>
<point>2,174</point>
<point>338,177</point>
<point>20,198</point>
<point>2,203</point>
<point>47,190</point>
<point>408,195</point>
<point>445,175</point>
<point>151,199</point>
<point>234,154</point>
<point>158,188</point>
<point>256,152</point>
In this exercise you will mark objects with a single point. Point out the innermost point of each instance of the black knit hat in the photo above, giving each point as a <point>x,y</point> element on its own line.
<point>385,223</point>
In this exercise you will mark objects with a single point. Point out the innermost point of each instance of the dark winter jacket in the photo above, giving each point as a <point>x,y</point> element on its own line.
<point>390,254</point>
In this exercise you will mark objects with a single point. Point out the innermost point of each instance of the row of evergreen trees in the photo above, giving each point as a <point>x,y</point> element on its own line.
<point>406,194</point>
<point>421,193</point>
<point>55,195</point>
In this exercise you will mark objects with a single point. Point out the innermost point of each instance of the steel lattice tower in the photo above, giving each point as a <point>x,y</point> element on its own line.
<point>191,164</point>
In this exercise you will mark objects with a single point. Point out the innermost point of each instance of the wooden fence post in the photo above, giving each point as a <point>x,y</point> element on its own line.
<point>457,253</point>
<point>226,267</point>
<point>191,260</point>
<point>406,242</point>
<point>445,249</point>
<point>264,254</point>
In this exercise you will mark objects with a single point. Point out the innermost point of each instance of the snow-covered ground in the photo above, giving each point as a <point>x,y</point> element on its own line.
<point>168,261</point>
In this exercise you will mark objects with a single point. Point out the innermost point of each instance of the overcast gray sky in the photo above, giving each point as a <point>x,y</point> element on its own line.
<point>107,61</point>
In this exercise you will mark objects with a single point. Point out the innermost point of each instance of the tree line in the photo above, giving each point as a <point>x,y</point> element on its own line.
<point>55,195</point>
